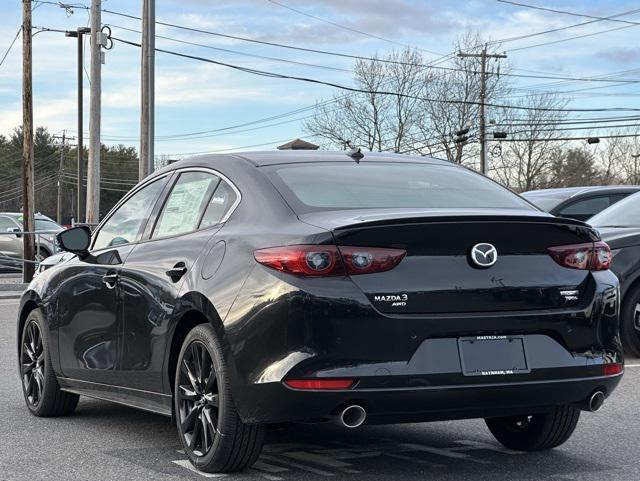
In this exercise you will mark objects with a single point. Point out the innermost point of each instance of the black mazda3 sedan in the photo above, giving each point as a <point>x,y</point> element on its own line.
<point>236,291</point>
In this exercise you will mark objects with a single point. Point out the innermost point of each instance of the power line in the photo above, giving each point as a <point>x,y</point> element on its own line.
<point>553,10</point>
<point>350,29</point>
<point>219,49</point>
<point>350,56</point>
<point>570,138</point>
<point>268,74</point>
<point>11,45</point>
<point>558,29</point>
<point>571,38</point>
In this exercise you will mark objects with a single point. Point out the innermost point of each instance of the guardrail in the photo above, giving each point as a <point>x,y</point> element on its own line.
<point>15,263</point>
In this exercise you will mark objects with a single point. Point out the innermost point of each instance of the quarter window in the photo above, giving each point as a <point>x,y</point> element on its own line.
<point>221,201</point>
<point>124,225</point>
<point>184,206</point>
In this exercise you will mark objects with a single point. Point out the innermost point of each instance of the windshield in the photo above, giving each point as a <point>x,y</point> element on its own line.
<point>332,186</point>
<point>546,203</point>
<point>47,225</point>
<point>625,213</point>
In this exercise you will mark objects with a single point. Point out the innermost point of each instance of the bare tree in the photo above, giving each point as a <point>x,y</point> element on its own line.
<point>372,119</point>
<point>619,160</point>
<point>533,142</point>
<point>456,92</point>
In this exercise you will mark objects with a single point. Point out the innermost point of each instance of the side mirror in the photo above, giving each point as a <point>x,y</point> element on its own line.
<point>75,240</point>
<point>15,230</point>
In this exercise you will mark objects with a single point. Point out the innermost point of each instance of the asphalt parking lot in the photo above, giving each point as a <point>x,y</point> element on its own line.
<point>103,441</point>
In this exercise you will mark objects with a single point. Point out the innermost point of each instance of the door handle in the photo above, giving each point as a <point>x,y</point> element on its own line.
<point>177,271</point>
<point>110,280</point>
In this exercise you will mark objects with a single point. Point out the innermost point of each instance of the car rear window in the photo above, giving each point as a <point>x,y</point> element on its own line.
<point>332,186</point>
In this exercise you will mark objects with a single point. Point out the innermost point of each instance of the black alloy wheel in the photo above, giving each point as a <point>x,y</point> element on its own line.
<point>41,390</point>
<point>214,437</point>
<point>32,361</point>
<point>198,399</point>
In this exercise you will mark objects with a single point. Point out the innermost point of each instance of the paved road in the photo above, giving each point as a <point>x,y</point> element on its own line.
<point>103,441</point>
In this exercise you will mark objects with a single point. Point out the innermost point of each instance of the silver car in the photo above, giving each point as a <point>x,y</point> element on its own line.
<point>11,238</point>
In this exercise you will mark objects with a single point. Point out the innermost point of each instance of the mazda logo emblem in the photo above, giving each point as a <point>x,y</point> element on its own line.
<point>484,255</point>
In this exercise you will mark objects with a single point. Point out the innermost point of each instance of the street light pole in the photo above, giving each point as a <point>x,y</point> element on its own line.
<point>78,34</point>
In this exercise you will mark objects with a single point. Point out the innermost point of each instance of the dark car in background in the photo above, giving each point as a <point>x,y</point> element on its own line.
<point>238,291</point>
<point>579,202</point>
<point>619,226</point>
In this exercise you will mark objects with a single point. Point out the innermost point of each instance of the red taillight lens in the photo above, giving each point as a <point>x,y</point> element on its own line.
<point>303,260</point>
<point>594,256</point>
<point>329,260</point>
<point>320,384</point>
<point>367,260</point>
<point>601,257</point>
<point>612,369</point>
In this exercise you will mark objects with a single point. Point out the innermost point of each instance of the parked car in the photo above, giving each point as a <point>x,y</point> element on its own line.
<point>11,243</point>
<point>619,226</point>
<point>237,291</point>
<point>579,202</point>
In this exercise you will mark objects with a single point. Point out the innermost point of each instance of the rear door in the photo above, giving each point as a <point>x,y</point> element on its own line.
<point>155,272</point>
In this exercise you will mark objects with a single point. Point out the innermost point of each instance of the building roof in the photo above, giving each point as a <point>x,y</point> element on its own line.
<point>298,144</point>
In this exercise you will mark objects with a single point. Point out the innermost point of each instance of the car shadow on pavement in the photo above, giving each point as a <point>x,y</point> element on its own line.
<point>319,451</point>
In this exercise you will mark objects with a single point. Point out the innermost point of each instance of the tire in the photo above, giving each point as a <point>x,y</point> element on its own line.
<point>537,432</point>
<point>40,387</point>
<point>44,253</point>
<point>204,408</point>
<point>629,319</point>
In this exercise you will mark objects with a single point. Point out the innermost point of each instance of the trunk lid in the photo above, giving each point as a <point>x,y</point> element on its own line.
<point>438,274</point>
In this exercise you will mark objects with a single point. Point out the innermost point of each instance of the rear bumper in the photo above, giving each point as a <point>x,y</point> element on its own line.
<point>406,367</point>
<point>278,403</point>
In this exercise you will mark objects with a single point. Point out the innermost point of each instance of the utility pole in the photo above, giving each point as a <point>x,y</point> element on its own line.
<point>60,169</point>
<point>147,89</point>
<point>79,213</point>
<point>483,56</point>
<point>28,193</point>
<point>635,158</point>
<point>63,147</point>
<point>93,166</point>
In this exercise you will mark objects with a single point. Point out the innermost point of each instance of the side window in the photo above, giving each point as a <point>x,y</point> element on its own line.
<point>583,209</point>
<point>124,225</point>
<point>6,223</point>
<point>222,200</point>
<point>185,204</point>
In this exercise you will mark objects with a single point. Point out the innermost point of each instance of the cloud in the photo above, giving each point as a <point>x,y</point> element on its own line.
<point>620,55</point>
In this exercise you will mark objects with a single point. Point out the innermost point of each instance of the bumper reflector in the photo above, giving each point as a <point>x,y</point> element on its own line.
<point>612,369</point>
<point>320,384</point>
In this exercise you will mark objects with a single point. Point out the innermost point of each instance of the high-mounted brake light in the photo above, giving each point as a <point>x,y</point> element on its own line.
<point>320,384</point>
<point>593,256</point>
<point>329,260</point>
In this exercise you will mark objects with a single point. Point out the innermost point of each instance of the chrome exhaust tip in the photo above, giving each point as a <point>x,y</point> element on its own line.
<point>352,416</point>
<point>596,401</point>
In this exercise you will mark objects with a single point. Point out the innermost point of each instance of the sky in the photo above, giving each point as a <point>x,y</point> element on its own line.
<point>194,96</point>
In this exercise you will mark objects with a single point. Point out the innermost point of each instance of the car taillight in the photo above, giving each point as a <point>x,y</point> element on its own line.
<point>329,260</point>
<point>593,256</point>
